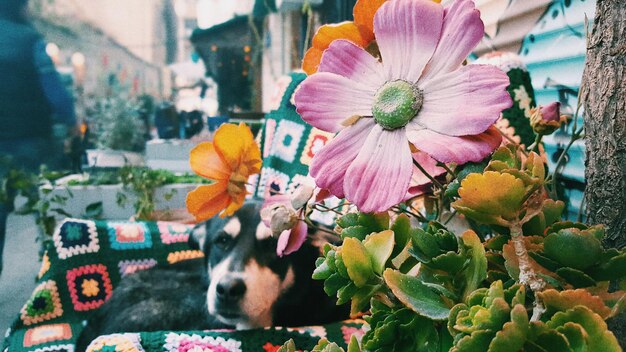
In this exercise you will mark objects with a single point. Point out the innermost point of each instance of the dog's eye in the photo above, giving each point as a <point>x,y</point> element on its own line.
<point>222,240</point>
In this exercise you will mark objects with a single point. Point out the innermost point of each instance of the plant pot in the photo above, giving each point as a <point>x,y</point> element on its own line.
<point>78,198</point>
<point>171,154</point>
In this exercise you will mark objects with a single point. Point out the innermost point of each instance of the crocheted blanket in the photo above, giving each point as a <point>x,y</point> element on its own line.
<point>267,340</point>
<point>85,263</point>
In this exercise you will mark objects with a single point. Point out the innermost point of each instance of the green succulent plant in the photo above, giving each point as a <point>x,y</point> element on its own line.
<point>496,319</point>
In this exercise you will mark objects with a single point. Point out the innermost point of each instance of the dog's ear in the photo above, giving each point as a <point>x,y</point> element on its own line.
<point>197,237</point>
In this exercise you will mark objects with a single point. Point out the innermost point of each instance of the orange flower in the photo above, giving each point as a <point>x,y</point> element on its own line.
<point>229,160</point>
<point>360,32</point>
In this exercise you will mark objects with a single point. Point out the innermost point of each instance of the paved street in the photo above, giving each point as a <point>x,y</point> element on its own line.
<point>21,265</point>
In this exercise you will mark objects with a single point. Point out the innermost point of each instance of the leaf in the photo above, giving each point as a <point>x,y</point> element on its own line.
<point>600,339</point>
<point>348,220</point>
<point>552,340</point>
<point>492,197</point>
<point>357,261</point>
<point>573,248</point>
<point>612,269</point>
<point>322,271</point>
<point>374,222</point>
<point>353,346</point>
<point>513,334</point>
<point>93,210</point>
<point>476,270</point>
<point>379,247</point>
<point>359,232</point>
<point>556,301</point>
<point>346,293</point>
<point>289,346</point>
<point>424,242</point>
<point>361,298</point>
<point>415,295</point>
<point>477,341</point>
<point>576,278</point>
<point>333,284</point>
<point>401,228</point>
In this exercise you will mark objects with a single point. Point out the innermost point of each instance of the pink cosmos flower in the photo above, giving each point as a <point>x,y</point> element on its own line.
<point>420,94</point>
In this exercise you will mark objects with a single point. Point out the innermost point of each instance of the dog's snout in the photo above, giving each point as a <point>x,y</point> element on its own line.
<point>230,289</point>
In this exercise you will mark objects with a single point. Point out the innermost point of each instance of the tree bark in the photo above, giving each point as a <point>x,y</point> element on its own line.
<point>604,96</point>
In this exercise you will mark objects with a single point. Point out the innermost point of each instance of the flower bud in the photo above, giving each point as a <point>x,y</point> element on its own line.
<point>546,119</point>
<point>301,196</point>
<point>281,218</point>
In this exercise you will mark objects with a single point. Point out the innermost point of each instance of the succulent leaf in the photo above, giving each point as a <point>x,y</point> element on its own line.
<point>415,295</point>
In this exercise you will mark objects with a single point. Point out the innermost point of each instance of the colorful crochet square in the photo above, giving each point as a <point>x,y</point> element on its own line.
<point>272,182</point>
<point>132,266</point>
<point>47,333</point>
<point>44,304</point>
<point>89,286</point>
<point>58,348</point>
<point>191,343</point>
<point>316,141</point>
<point>172,232</point>
<point>129,235</point>
<point>116,342</point>
<point>270,129</point>
<point>287,140</point>
<point>75,237</point>
<point>180,256</point>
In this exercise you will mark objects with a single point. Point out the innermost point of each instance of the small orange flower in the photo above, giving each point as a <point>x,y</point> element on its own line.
<point>229,160</point>
<point>360,32</point>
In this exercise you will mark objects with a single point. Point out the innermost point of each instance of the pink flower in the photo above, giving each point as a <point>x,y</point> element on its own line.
<point>285,222</point>
<point>547,119</point>
<point>420,94</point>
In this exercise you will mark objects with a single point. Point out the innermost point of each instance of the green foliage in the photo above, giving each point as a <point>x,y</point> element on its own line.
<point>117,123</point>
<point>402,329</point>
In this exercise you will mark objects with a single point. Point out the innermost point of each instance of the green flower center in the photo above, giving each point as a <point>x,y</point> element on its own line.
<point>396,103</point>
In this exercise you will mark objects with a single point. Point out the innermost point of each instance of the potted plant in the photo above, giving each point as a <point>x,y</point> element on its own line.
<point>119,132</point>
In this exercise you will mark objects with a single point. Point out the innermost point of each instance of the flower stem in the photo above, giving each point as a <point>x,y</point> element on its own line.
<point>527,275</point>
<point>431,178</point>
<point>535,146</point>
<point>575,136</point>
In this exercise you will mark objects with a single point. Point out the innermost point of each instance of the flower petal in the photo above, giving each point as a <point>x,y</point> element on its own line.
<point>206,201</point>
<point>462,31</point>
<point>407,33</point>
<point>364,11</point>
<point>207,162</point>
<point>429,164</point>
<point>236,202</point>
<point>380,175</point>
<point>311,60</point>
<point>330,164</point>
<point>236,144</point>
<point>291,240</point>
<point>325,99</point>
<point>463,102</point>
<point>349,60</point>
<point>460,150</point>
<point>325,36</point>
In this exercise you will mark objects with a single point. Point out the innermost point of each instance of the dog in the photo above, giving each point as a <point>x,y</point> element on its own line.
<point>240,283</point>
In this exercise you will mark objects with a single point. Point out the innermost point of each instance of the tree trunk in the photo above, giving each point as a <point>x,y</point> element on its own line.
<point>604,96</point>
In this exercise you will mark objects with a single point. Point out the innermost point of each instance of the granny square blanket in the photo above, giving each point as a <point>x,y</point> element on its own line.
<point>86,261</point>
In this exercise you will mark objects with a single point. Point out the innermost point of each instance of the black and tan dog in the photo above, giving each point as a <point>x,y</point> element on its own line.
<point>243,284</point>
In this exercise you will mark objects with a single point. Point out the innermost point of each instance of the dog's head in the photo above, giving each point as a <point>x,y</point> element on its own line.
<point>246,277</point>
